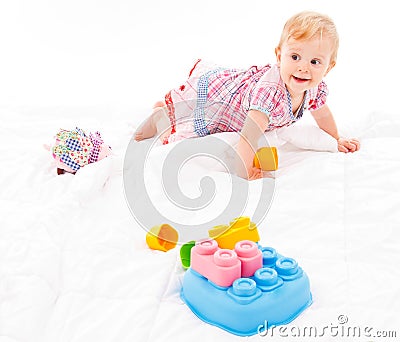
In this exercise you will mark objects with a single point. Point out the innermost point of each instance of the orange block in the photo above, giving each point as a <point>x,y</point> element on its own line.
<point>266,159</point>
<point>163,237</point>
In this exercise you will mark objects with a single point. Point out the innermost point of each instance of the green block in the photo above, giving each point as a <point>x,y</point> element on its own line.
<point>185,253</point>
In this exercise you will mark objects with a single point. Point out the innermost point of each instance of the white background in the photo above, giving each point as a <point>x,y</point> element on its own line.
<point>126,54</point>
<point>74,264</point>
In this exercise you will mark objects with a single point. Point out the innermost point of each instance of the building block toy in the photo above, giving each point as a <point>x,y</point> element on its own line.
<point>163,237</point>
<point>276,293</point>
<point>223,266</point>
<point>185,253</point>
<point>266,159</point>
<point>250,257</point>
<point>240,228</point>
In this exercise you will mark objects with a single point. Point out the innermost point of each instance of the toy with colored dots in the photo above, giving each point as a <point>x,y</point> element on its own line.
<point>234,283</point>
<point>239,290</point>
<point>226,236</point>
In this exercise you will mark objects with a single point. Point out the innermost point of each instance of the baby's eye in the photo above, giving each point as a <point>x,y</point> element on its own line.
<point>295,57</point>
<point>315,62</point>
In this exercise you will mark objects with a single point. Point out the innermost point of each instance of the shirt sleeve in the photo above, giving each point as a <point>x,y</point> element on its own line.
<point>318,97</point>
<point>269,96</point>
<point>271,101</point>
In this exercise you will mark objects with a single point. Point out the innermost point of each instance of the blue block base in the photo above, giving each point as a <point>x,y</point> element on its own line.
<point>276,295</point>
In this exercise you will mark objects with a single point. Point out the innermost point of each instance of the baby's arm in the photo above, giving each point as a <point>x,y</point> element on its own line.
<point>255,125</point>
<point>326,122</point>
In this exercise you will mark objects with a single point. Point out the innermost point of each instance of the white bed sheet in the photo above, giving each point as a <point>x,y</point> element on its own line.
<point>74,265</point>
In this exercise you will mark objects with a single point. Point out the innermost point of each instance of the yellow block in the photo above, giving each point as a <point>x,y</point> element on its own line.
<point>163,237</point>
<point>218,231</point>
<point>266,159</point>
<point>239,229</point>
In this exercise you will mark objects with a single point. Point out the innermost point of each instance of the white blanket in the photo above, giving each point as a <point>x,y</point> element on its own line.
<point>74,265</point>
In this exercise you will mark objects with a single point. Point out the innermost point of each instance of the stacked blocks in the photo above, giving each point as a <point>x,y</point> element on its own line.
<point>268,287</point>
<point>224,266</point>
<point>226,236</point>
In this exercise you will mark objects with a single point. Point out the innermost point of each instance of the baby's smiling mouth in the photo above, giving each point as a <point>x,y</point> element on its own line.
<point>299,79</point>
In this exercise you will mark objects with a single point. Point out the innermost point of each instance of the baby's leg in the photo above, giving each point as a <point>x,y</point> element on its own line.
<point>157,123</point>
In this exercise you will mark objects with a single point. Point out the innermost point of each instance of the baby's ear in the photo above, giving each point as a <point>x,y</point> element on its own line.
<point>333,63</point>
<point>278,54</point>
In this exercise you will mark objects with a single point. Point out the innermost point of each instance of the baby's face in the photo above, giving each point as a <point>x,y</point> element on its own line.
<point>304,63</point>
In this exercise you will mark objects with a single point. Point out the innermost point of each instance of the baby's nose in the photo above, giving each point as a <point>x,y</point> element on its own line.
<point>303,67</point>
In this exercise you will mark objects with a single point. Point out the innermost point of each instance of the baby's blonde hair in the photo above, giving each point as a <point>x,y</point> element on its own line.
<point>306,25</point>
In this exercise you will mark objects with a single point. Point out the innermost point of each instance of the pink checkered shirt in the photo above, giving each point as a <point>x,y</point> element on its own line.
<point>218,100</point>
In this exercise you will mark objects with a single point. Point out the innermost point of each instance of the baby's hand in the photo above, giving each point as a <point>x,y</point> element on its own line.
<point>254,173</point>
<point>348,145</point>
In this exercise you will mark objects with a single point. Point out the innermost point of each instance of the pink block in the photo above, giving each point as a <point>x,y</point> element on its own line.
<point>250,257</point>
<point>220,266</point>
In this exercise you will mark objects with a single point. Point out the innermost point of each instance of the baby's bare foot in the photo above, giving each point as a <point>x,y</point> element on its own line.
<point>148,130</point>
<point>159,104</point>
<point>138,135</point>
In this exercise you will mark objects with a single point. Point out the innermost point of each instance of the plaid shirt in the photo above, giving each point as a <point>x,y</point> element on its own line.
<point>218,100</point>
